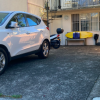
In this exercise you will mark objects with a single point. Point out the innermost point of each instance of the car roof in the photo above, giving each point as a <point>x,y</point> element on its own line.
<point>6,11</point>
<point>19,12</point>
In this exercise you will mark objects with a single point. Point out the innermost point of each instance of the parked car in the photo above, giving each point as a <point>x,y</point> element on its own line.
<point>22,34</point>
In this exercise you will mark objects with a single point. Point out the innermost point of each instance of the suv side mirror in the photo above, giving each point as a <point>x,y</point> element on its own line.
<point>13,24</point>
<point>59,30</point>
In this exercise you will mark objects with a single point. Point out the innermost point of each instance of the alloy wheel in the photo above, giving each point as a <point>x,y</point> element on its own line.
<point>2,61</point>
<point>45,49</point>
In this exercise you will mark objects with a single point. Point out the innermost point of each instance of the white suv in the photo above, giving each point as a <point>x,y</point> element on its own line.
<point>22,34</point>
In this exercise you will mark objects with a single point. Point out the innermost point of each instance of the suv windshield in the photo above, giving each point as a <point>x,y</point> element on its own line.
<point>3,17</point>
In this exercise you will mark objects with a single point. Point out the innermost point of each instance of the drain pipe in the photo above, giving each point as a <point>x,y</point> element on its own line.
<point>96,36</point>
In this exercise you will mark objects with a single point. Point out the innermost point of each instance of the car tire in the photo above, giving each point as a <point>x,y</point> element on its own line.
<point>44,52</point>
<point>3,60</point>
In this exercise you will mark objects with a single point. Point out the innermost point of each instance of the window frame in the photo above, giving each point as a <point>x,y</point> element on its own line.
<point>18,27</point>
<point>32,16</point>
<point>38,19</point>
<point>90,27</point>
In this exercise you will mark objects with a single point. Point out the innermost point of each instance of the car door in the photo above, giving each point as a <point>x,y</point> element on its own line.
<point>20,40</point>
<point>35,31</point>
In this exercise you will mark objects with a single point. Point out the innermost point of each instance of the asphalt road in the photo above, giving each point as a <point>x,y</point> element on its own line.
<point>69,73</point>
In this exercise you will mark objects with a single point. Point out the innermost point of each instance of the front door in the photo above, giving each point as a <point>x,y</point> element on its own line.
<point>20,39</point>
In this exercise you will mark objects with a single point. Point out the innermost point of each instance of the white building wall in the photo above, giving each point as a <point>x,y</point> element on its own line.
<point>32,6</point>
<point>67,26</point>
<point>13,5</point>
<point>61,23</point>
<point>36,7</point>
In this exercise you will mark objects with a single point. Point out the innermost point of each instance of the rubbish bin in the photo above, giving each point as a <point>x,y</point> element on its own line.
<point>96,36</point>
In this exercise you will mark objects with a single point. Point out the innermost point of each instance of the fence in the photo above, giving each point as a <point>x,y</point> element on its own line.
<point>73,4</point>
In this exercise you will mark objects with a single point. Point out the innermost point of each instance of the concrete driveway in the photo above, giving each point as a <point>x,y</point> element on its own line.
<point>69,73</point>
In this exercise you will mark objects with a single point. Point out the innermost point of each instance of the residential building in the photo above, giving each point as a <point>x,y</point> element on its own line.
<point>32,6</point>
<point>36,7</point>
<point>13,5</point>
<point>75,15</point>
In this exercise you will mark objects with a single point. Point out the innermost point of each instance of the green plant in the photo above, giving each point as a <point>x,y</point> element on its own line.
<point>12,96</point>
<point>16,96</point>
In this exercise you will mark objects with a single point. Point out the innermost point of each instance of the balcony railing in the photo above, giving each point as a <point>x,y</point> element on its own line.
<point>73,4</point>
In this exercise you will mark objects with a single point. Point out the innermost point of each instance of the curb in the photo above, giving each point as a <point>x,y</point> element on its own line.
<point>95,93</point>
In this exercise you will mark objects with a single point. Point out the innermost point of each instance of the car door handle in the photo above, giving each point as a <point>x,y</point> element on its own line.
<point>27,33</point>
<point>41,31</point>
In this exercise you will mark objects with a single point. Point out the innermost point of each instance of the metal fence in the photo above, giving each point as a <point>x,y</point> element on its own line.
<point>74,4</point>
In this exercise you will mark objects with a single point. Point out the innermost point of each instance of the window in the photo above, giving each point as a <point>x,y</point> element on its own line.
<point>3,17</point>
<point>19,18</point>
<point>75,20</point>
<point>94,22</point>
<point>38,21</point>
<point>89,22</point>
<point>85,22</point>
<point>32,21</point>
<point>57,16</point>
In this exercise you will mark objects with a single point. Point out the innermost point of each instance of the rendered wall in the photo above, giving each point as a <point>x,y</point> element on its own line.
<point>36,7</point>
<point>61,23</point>
<point>67,26</point>
<point>13,5</point>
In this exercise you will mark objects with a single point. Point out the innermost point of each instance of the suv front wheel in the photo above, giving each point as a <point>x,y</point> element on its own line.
<point>44,53</point>
<point>3,60</point>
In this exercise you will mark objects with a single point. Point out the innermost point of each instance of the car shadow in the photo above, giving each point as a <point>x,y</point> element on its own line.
<point>20,62</point>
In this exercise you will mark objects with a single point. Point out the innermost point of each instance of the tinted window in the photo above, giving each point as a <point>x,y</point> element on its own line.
<point>3,17</point>
<point>19,18</point>
<point>32,21</point>
<point>38,21</point>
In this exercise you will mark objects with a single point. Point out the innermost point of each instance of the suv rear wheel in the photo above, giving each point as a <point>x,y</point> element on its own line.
<point>44,53</point>
<point>3,60</point>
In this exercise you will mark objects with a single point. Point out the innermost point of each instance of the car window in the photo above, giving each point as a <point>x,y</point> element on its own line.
<point>3,17</point>
<point>32,21</point>
<point>38,21</point>
<point>19,18</point>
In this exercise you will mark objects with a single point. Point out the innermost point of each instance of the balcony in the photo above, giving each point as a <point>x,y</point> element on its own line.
<point>73,4</point>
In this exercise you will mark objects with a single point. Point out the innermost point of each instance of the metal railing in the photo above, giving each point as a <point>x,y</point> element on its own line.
<point>74,4</point>
<point>53,4</point>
